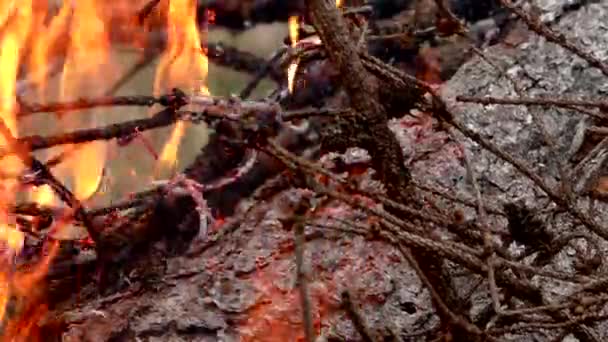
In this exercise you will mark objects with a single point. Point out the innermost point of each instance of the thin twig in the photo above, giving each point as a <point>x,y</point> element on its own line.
<point>356,318</point>
<point>303,281</point>
<point>146,10</point>
<point>531,101</point>
<point>263,72</point>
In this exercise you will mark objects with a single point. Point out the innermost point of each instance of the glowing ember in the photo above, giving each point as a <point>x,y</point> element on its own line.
<point>182,65</point>
<point>211,16</point>
<point>277,316</point>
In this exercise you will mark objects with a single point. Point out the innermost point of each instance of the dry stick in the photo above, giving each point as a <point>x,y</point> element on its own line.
<point>534,24</point>
<point>524,327</point>
<point>356,318</point>
<point>531,101</point>
<point>146,10</point>
<point>440,303</point>
<point>463,253</point>
<point>213,105</point>
<point>444,194</point>
<point>41,172</point>
<point>362,88</point>
<point>163,118</point>
<point>491,259</point>
<point>298,114</point>
<point>262,72</point>
<point>298,163</point>
<point>81,104</point>
<point>303,281</point>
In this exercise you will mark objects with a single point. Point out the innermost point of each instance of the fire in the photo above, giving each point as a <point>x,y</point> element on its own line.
<point>87,58</point>
<point>293,67</point>
<point>77,37</point>
<point>15,17</point>
<point>182,65</point>
<point>26,287</point>
<point>47,45</point>
<point>294,28</point>
<point>43,195</point>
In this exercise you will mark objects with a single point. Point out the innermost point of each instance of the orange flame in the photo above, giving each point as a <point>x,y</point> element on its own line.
<point>27,286</point>
<point>28,36</point>
<point>183,65</point>
<point>43,195</point>
<point>15,19</point>
<point>47,44</point>
<point>293,37</point>
<point>87,57</point>
<point>293,66</point>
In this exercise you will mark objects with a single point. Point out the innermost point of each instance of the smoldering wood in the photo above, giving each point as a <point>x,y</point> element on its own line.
<point>246,271</point>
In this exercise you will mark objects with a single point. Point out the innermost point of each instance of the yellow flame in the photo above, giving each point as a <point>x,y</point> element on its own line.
<point>50,40</point>
<point>4,292</point>
<point>78,32</point>
<point>168,157</point>
<point>16,28</point>
<point>293,30</point>
<point>15,20</point>
<point>293,66</point>
<point>12,237</point>
<point>339,3</point>
<point>87,55</point>
<point>43,195</point>
<point>183,65</point>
